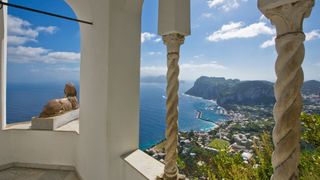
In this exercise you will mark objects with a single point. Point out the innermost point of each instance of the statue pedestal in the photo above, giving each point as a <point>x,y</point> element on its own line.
<point>52,123</point>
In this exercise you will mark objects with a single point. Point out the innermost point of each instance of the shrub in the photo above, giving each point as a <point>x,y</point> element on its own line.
<point>219,144</point>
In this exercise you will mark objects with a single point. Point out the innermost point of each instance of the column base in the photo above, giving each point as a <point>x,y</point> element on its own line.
<point>178,177</point>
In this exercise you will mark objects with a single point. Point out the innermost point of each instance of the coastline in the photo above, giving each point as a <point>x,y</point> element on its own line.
<point>201,98</point>
<point>214,124</point>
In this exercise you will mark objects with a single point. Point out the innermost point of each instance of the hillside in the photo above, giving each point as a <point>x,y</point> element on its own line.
<point>311,87</point>
<point>211,87</point>
<point>248,93</point>
<point>235,92</point>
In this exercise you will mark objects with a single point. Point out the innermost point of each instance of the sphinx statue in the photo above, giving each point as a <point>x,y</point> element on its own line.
<point>57,107</point>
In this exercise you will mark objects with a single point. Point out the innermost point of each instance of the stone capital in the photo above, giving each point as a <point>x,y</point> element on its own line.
<point>173,42</point>
<point>286,15</point>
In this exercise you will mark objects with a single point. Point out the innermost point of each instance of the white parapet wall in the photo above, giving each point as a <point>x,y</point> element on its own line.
<point>43,147</point>
<point>5,149</point>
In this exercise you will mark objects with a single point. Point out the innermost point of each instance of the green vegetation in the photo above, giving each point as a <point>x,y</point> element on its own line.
<point>219,144</point>
<point>228,165</point>
<point>311,125</point>
<point>310,157</point>
<point>254,127</point>
<point>231,166</point>
<point>263,150</point>
<point>310,165</point>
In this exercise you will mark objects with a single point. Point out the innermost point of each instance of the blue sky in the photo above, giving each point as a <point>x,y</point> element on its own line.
<point>229,38</point>
<point>42,48</point>
<point>241,52</point>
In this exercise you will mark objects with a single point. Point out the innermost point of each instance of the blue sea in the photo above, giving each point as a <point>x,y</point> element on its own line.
<point>25,100</point>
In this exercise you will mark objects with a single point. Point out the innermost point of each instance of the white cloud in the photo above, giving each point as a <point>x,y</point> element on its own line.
<point>207,15</point>
<point>61,69</point>
<point>49,29</point>
<point>263,18</point>
<point>21,31</point>
<point>312,35</point>
<point>238,30</point>
<point>158,40</point>
<point>153,53</point>
<point>225,5</point>
<point>214,3</point>
<point>268,43</point>
<point>22,54</point>
<point>25,53</point>
<point>64,55</point>
<point>18,40</point>
<point>188,71</point>
<point>20,27</point>
<point>66,69</point>
<point>146,36</point>
<point>198,56</point>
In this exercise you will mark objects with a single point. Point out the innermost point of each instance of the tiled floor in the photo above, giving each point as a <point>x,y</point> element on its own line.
<point>36,174</point>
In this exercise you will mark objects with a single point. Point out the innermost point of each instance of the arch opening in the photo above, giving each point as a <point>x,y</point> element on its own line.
<point>43,54</point>
<point>226,88</point>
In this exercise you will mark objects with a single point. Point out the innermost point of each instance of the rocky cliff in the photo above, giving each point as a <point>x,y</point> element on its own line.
<point>211,87</point>
<point>248,93</point>
<point>235,92</point>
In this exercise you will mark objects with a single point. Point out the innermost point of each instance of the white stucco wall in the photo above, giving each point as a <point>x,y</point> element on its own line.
<point>5,148</point>
<point>109,90</point>
<point>123,81</point>
<point>110,67</point>
<point>43,147</point>
<point>91,159</point>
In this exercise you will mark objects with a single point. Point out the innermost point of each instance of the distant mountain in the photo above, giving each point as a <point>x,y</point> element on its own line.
<point>311,87</point>
<point>155,79</point>
<point>248,93</point>
<point>235,92</point>
<point>211,87</point>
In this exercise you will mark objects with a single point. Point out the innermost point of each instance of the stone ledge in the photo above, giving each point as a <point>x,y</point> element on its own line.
<point>145,164</point>
<point>52,123</point>
<point>72,127</point>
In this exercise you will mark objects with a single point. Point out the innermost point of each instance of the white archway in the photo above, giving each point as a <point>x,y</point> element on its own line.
<point>109,78</point>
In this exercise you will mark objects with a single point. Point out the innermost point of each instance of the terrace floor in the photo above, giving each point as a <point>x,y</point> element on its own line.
<point>18,173</point>
<point>71,126</point>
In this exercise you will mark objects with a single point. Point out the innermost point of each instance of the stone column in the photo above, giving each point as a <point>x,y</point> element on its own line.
<point>173,43</point>
<point>287,16</point>
<point>3,65</point>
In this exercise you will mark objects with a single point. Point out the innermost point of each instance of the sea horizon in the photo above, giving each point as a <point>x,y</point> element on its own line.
<point>26,100</point>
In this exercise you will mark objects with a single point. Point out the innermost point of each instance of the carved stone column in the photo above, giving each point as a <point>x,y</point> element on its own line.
<point>173,43</point>
<point>287,16</point>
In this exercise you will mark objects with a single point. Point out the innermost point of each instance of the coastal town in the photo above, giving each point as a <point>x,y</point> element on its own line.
<point>238,134</point>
